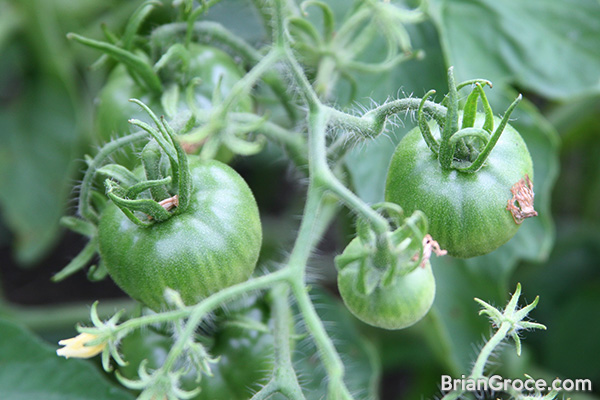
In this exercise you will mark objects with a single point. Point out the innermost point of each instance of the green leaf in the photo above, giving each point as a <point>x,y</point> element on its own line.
<point>39,141</point>
<point>360,357</point>
<point>31,370</point>
<point>547,46</point>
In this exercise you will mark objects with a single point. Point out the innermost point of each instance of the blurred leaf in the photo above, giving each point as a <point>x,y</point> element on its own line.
<point>549,46</point>
<point>360,358</point>
<point>579,126</point>
<point>572,346</point>
<point>568,285</point>
<point>31,370</point>
<point>39,138</point>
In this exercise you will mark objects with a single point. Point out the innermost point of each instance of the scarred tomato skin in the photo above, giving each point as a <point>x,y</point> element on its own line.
<point>467,213</point>
<point>213,244</point>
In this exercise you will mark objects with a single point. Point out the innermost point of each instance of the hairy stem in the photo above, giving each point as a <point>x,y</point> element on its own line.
<point>482,358</point>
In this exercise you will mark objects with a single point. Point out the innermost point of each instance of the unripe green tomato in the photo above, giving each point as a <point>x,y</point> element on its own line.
<point>402,303</point>
<point>211,245</point>
<point>467,212</point>
<point>213,67</point>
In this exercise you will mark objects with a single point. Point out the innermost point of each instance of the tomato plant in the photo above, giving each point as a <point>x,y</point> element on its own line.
<point>312,91</point>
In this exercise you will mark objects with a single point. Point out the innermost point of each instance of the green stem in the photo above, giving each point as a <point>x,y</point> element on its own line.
<point>331,359</point>
<point>200,310</point>
<point>302,248</point>
<point>266,391</point>
<point>482,359</point>
<point>244,85</point>
<point>371,124</point>
<point>284,373</point>
<point>305,88</point>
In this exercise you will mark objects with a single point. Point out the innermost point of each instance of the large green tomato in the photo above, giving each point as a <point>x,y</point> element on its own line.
<point>467,212</point>
<point>213,244</point>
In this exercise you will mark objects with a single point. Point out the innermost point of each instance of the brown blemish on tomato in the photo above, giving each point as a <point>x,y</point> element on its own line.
<point>521,204</point>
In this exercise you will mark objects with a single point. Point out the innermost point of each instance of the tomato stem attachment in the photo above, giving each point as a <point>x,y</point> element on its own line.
<point>456,149</point>
<point>478,163</point>
<point>158,207</point>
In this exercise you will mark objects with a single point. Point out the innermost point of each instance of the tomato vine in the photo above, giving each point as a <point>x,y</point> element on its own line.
<point>389,249</point>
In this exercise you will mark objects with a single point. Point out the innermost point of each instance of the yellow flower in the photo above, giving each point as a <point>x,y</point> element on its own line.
<point>76,347</point>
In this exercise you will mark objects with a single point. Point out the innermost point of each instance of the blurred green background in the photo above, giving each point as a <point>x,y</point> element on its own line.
<point>549,50</point>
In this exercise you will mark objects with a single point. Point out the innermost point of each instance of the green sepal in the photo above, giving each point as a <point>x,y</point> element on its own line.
<point>79,225</point>
<point>97,200</point>
<point>470,110</point>
<point>146,206</point>
<point>459,139</point>
<point>184,183</point>
<point>175,52</point>
<point>169,100</point>
<point>151,159</point>
<point>478,163</point>
<point>97,272</point>
<point>79,262</point>
<point>328,18</point>
<point>135,21</point>
<point>424,126</point>
<point>369,277</point>
<point>244,147</point>
<point>450,124</point>
<point>133,191</point>
<point>118,173</point>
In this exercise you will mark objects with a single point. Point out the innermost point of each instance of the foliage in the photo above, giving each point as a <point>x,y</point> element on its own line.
<point>327,90</point>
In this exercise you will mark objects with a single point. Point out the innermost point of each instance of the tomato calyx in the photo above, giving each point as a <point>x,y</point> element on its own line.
<point>464,149</point>
<point>169,195</point>
<point>382,258</point>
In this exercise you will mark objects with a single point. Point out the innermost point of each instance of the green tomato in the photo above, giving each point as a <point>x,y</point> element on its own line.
<point>245,356</point>
<point>397,305</point>
<point>213,67</point>
<point>213,244</point>
<point>467,212</point>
